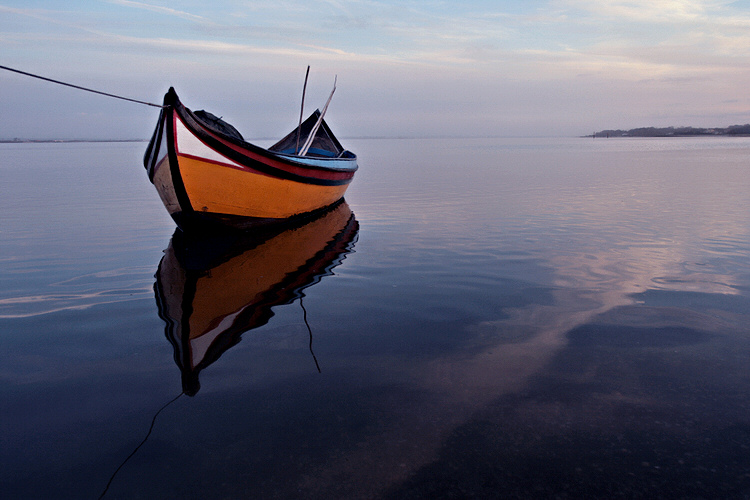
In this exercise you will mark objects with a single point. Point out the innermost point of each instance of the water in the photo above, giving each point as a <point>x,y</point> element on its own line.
<point>499,318</point>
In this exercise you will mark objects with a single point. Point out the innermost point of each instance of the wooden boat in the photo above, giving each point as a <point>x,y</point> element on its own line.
<point>206,173</point>
<point>211,291</point>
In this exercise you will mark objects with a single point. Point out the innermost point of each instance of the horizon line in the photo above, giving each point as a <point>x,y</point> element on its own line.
<point>19,140</point>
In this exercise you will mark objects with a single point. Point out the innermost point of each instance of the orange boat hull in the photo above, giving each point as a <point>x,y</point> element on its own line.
<point>205,177</point>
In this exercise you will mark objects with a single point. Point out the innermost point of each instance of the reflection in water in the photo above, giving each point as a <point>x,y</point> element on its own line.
<point>211,290</point>
<point>132,454</point>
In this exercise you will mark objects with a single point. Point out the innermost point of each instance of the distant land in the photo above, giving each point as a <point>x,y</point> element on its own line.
<point>674,131</point>
<point>21,141</point>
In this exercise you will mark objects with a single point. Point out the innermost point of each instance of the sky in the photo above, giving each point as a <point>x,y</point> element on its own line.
<point>404,68</point>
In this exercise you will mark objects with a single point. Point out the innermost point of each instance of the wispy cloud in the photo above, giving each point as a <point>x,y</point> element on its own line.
<point>669,11</point>
<point>158,8</point>
<point>595,33</point>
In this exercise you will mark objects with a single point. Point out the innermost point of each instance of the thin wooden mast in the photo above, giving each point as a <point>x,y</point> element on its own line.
<point>314,130</point>
<point>302,109</point>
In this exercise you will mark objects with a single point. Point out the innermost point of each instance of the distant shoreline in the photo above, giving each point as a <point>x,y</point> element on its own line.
<point>648,132</point>
<point>731,131</point>
<point>44,141</point>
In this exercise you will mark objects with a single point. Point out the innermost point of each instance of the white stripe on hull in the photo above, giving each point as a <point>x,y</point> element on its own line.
<point>189,144</point>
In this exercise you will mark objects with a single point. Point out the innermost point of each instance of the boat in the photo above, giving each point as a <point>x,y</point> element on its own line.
<point>208,176</point>
<point>210,291</point>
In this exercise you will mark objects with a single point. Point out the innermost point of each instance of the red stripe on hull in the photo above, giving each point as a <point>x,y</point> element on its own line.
<point>302,171</point>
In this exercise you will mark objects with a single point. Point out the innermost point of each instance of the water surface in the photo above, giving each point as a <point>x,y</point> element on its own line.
<point>484,317</point>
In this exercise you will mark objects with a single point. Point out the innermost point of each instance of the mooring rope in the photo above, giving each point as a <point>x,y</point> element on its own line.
<point>153,422</point>
<point>304,315</point>
<point>81,88</point>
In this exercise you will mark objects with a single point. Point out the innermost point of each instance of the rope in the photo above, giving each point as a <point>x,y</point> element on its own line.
<point>304,315</point>
<point>80,88</point>
<point>153,422</point>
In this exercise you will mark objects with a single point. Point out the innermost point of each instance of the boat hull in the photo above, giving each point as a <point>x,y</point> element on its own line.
<point>205,178</point>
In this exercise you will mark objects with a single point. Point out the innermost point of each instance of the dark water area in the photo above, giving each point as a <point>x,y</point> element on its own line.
<point>483,318</point>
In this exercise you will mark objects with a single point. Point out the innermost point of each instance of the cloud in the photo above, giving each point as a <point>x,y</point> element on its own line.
<point>159,9</point>
<point>567,37</point>
<point>663,11</point>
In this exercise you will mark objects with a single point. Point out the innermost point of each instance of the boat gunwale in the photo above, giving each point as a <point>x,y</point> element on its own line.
<point>273,155</point>
<point>270,165</point>
<point>237,151</point>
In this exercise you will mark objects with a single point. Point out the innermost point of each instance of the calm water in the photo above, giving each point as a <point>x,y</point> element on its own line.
<point>498,318</point>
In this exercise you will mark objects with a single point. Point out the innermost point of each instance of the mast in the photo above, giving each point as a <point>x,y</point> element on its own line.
<point>302,109</point>
<point>314,130</point>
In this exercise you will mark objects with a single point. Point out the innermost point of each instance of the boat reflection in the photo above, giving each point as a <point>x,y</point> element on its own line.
<point>211,290</point>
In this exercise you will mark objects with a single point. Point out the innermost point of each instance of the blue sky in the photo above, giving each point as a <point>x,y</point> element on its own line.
<point>405,68</point>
